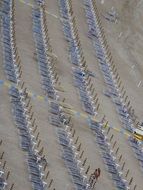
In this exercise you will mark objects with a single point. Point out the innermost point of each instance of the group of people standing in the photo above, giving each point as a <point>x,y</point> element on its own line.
<point>94,177</point>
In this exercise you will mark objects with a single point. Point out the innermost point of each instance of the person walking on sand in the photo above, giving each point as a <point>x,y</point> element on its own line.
<point>97,175</point>
<point>99,172</point>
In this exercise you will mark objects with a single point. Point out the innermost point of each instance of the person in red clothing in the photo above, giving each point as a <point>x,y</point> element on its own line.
<point>99,172</point>
<point>94,177</point>
<point>97,175</point>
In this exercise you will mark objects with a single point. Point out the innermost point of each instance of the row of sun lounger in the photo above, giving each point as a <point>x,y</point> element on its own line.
<point>113,91</point>
<point>44,62</point>
<point>70,156</point>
